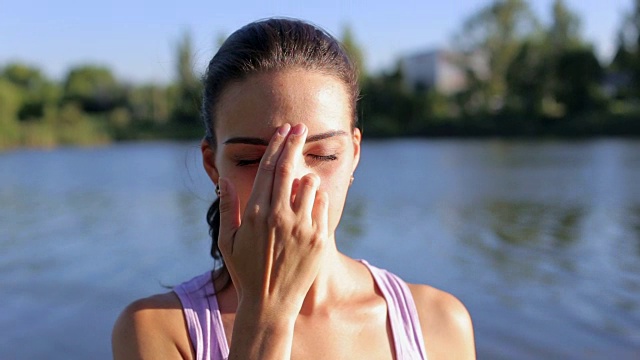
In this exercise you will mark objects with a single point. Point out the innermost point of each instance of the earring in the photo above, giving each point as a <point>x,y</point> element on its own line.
<point>218,190</point>
<point>351,180</point>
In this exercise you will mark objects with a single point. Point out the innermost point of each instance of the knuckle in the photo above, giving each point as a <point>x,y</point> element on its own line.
<point>276,220</point>
<point>322,199</point>
<point>285,168</point>
<point>316,241</point>
<point>252,213</point>
<point>299,233</point>
<point>322,202</point>
<point>267,165</point>
<point>309,181</point>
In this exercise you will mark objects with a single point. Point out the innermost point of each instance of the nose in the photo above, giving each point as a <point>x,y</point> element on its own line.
<point>301,169</point>
<point>300,166</point>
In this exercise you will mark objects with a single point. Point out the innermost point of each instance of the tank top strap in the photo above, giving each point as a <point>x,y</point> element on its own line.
<point>206,332</point>
<point>202,315</point>
<point>402,312</point>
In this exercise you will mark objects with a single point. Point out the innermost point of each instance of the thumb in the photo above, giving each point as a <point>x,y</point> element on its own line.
<point>229,216</point>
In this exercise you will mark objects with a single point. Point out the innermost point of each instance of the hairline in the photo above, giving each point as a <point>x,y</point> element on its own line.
<point>294,68</point>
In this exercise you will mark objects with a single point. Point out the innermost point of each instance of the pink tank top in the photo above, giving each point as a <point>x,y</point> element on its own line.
<point>204,322</point>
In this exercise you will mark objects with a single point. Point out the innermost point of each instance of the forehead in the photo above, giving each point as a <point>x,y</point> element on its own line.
<point>255,106</point>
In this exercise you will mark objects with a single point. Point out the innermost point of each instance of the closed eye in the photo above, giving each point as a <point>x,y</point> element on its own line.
<point>312,156</point>
<point>248,162</point>
<point>323,157</point>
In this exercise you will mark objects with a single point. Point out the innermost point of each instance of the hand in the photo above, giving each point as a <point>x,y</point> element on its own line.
<point>273,251</point>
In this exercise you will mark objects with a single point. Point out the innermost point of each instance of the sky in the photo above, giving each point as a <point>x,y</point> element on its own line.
<point>136,39</point>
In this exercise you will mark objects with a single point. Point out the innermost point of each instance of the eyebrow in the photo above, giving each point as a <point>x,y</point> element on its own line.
<point>264,142</point>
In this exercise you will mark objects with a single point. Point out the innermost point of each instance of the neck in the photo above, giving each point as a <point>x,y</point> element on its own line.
<point>330,284</point>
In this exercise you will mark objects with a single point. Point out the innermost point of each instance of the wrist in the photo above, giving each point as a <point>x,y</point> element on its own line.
<point>259,333</point>
<point>260,325</point>
<point>274,316</point>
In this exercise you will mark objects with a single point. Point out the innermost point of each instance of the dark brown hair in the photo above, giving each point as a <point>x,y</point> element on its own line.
<point>267,46</point>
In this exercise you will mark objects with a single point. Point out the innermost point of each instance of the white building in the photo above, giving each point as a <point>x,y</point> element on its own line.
<point>441,70</point>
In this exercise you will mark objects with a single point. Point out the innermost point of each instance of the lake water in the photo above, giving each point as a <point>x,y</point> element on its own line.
<point>541,240</point>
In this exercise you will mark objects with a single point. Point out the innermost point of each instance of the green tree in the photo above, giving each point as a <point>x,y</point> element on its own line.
<point>188,88</point>
<point>10,102</point>
<point>627,58</point>
<point>622,68</point>
<point>632,40</point>
<point>536,77</point>
<point>384,104</point>
<point>354,50</point>
<point>149,103</point>
<point>23,76</point>
<point>579,74</point>
<point>564,44</point>
<point>493,35</point>
<point>526,79</point>
<point>564,32</point>
<point>93,87</point>
<point>624,57</point>
<point>35,90</point>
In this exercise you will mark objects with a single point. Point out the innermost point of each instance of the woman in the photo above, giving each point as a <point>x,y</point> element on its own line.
<point>281,146</point>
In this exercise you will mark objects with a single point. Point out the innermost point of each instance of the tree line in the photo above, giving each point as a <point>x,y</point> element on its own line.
<point>91,106</point>
<point>535,80</point>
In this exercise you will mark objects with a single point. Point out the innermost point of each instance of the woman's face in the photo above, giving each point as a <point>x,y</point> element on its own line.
<point>249,112</point>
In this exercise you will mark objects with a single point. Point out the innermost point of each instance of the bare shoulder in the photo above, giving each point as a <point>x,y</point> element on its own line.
<point>150,328</point>
<point>445,322</point>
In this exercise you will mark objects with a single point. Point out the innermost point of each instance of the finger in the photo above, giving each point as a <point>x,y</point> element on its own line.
<point>286,166</point>
<point>263,183</point>
<point>320,214</point>
<point>306,195</point>
<point>229,216</point>
<point>294,190</point>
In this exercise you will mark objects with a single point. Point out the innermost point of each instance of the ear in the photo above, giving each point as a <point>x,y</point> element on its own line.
<point>209,160</point>
<point>357,138</point>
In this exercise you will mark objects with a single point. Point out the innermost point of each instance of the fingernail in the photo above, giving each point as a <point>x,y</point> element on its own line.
<point>284,129</point>
<point>298,129</point>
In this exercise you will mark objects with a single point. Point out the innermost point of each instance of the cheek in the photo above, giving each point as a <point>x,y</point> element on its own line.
<point>243,180</point>
<point>335,178</point>
<point>335,182</point>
